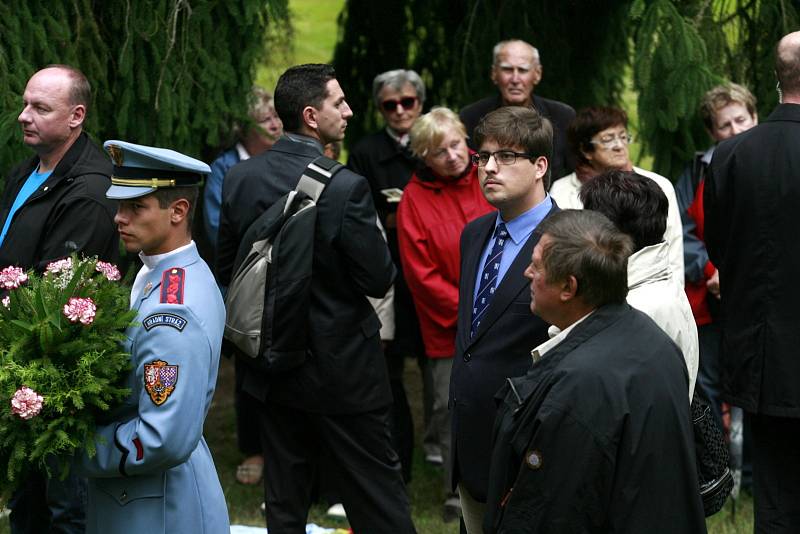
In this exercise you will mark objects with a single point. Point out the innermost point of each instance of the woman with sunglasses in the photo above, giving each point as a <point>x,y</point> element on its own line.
<point>437,203</point>
<point>384,159</point>
<point>599,138</point>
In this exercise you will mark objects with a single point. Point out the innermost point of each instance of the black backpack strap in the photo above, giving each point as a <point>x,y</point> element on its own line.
<point>316,176</point>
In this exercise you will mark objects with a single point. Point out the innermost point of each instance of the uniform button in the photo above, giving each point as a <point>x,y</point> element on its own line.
<point>123,496</point>
<point>467,356</point>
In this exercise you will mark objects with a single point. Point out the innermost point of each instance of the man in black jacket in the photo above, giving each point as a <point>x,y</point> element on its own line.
<point>516,71</point>
<point>597,436</point>
<point>751,204</point>
<point>332,411</point>
<point>54,204</point>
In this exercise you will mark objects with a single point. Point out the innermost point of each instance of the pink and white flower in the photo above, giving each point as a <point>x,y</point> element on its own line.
<point>6,301</point>
<point>26,403</point>
<point>60,266</point>
<point>12,277</point>
<point>109,270</point>
<point>80,310</point>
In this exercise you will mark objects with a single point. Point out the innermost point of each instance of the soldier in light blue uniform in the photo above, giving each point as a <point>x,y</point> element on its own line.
<point>153,473</point>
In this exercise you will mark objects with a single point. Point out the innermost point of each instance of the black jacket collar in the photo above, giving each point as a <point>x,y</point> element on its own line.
<point>599,320</point>
<point>299,143</point>
<point>77,161</point>
<point>785,112</point>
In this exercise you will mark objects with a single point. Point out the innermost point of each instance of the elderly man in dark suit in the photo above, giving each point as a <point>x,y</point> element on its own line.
<point>332,410</point>
<point>516,71</point>
<point>751,204</point>
<point>495,332</point>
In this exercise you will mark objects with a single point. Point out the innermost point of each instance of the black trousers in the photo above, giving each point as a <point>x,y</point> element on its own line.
<point>401,423</point>
<point>776,473</point>
<point>247,409</point>
<point>357,457</point>
<point>49,505</point>
<point>407,343</point>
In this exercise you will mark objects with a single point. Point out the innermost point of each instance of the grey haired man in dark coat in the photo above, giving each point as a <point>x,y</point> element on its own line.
<point>597,437</point>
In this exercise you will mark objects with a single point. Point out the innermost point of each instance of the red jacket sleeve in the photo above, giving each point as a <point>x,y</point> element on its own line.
<point>435,295</point>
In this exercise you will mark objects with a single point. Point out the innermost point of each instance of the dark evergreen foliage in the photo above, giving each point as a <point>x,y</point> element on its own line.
<point>677,50</point>
<point>171,73</point>
<point>78,367</point>
<point>682,49</point>
<point>450,44</point>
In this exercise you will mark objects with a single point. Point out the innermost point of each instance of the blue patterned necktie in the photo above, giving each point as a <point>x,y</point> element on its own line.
<point>489,274</point>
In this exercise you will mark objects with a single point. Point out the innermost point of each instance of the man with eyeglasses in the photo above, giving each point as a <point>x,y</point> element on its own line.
<point>516,71</point>
<point>385,160</point>
<point>599,139</point>
<point>495,331</point>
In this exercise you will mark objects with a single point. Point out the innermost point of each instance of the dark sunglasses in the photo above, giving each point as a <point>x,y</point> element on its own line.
<point>407,102</point>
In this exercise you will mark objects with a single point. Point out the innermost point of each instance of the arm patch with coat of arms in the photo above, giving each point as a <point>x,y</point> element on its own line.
<point>160,379</point>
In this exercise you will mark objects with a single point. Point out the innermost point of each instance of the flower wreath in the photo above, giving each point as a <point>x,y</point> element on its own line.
<point>62,365</point>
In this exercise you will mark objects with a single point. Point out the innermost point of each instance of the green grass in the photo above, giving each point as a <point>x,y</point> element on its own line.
<point>315,32</point>
<point>426,489</point>
<point>735,518</point>
<point>314,40</point>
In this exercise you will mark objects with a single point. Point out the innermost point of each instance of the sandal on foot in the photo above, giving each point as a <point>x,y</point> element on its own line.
<point>249,473</point>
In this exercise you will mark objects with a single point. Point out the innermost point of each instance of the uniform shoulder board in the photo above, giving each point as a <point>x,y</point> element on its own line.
<point>172,282</point>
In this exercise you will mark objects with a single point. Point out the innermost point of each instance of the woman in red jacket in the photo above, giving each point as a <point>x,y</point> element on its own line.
<point>437,203</point>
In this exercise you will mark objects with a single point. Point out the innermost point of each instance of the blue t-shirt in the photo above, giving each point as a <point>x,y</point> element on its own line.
<point>34,182</point>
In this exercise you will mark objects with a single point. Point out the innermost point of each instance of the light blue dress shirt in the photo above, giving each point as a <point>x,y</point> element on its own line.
<point>519,229</point>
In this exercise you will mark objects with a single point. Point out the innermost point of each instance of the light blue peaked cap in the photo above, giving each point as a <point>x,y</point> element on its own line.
<point>140,170</point>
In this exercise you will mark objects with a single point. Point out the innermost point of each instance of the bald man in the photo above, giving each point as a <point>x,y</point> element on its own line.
<point>752,207</point>
<point>516,71</point>
<point>54,204</point>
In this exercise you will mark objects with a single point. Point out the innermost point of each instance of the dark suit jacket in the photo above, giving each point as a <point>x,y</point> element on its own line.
<point>384,164</point>
<point>752,212</point>
<point>558,113</point>
<point>346,371</point>
<point>500,349</point>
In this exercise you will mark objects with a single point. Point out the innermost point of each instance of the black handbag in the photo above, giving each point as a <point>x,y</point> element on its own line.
<point>713,470</point>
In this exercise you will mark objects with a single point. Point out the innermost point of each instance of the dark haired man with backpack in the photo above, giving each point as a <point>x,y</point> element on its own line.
<point>331,411</point>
